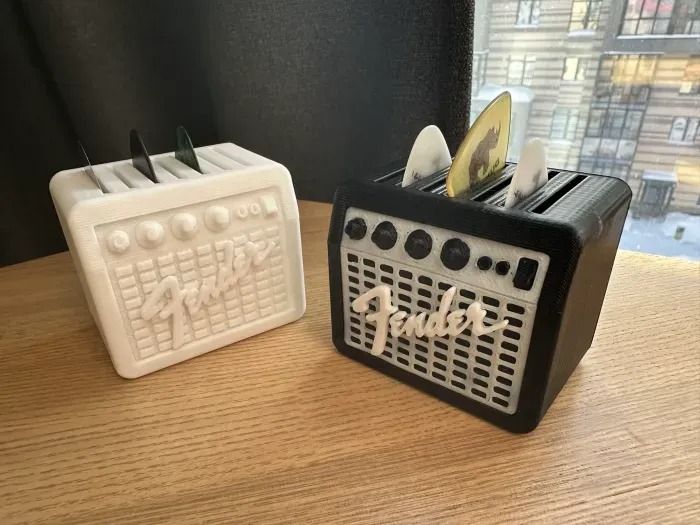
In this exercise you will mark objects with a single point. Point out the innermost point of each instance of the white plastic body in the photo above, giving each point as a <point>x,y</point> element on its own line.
<point>202,260</point>
<point>418,286</point>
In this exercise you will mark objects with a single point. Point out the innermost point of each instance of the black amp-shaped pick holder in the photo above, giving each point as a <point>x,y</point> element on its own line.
<point>488,308</point>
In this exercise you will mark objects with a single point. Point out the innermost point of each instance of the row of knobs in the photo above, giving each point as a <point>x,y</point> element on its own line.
<point>454,254</point>
<point>184,226</point>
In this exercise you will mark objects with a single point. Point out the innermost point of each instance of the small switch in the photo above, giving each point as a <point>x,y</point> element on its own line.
<point>502,267</point>
<point>242,211</point>
<point>525,274</point>
<point>269,204</point>
<point>484,262</point>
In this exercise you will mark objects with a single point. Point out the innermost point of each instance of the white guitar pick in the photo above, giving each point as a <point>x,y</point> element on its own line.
<point>530,173</point>
<point>428,155</point>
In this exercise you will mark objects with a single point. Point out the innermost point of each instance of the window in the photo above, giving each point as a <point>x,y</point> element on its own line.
<point>574,68</point>
<point>520,70</point>
<point>528,13</point>
<point>605,167</point>
<point>564,122</point>
<point>584,15</point>
<point>661,17</point>
<point>606,103</point>
<point>624,79</point>
<point>614,123</point>
<point>478,70</point>
<point>620,98</point>
<point>594,149</point>
<point>690,85</point>
<point>684,130</point>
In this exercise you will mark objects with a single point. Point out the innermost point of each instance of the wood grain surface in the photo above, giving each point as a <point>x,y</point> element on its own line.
<point>280,428</point>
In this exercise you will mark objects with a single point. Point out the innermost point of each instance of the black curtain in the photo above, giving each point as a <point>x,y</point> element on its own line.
<point>330,88</point>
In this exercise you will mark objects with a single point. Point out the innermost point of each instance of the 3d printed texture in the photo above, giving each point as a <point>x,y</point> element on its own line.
<point>175,269</point>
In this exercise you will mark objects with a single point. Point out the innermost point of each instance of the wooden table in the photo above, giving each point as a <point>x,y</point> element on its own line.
<point>282,428</point>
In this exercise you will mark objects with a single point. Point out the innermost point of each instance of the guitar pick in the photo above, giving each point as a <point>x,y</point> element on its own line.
<point>428,155</point>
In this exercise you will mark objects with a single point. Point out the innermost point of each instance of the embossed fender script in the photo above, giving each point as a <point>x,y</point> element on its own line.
<point>388,318</point>
<point>169,300</point>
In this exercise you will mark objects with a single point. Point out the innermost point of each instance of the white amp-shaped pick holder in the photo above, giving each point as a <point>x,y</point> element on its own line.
<point>182,253</point>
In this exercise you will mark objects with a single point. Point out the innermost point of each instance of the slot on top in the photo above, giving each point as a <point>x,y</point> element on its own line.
<point>555,196</point>
<point>493,192</point>
<point>122,176</point>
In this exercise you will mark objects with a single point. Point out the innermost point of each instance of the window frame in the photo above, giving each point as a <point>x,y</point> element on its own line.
<point>479,64</point>
<point>694,88</point>
<point>630,69</point>
<point>531,21</point>
<point>678,16</point>
<point>607,167</point>
<point>587,19</point>
<point>580,69</point>
<point>685,140</point>
<point>632,84</point>
<point>571,121</point>
<point>527,70</point>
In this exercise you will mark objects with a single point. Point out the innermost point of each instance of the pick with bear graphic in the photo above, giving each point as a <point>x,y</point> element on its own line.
<point>483,151</point>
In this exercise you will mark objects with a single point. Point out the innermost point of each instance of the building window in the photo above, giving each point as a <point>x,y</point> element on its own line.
<point>528,13</point>
<point>661,17</point>
<point>604,167</point>
<point>478,71</point>
<point>616,123</point>
<point>574,68</point>
<point>520,70</point>
<point>690,85</point>
<point>684,130</point>
<point>584,15</point>
<point>564,122</point>
<point>624,79</point>
<point>608,149</point>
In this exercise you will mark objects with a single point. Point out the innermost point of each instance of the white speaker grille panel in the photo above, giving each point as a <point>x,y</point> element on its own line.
<point>193,260</point>
<point>488,368</point>
<point>259,294</point>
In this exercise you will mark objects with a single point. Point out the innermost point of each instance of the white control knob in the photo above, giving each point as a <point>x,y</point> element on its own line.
<point>118,241</point>
<point>184,226</point>
<point>217,218</point>
<point>242,211</point>
<point>149,234</point>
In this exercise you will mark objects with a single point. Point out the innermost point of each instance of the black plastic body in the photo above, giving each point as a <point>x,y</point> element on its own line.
<point>575,219</point>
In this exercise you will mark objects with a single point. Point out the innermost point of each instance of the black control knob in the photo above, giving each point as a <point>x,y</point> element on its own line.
<point>502,267</point>
<point>418,244</point>
<point>384,235</point>
<point>356,229</point>
<point>484,262</point>
<point>455,254</point>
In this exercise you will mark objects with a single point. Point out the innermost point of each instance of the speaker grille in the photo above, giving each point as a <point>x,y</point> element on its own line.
<point>488,368</point>
<point>258,295</point>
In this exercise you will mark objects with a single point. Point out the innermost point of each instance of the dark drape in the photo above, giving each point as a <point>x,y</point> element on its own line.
<point>332,89</point>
